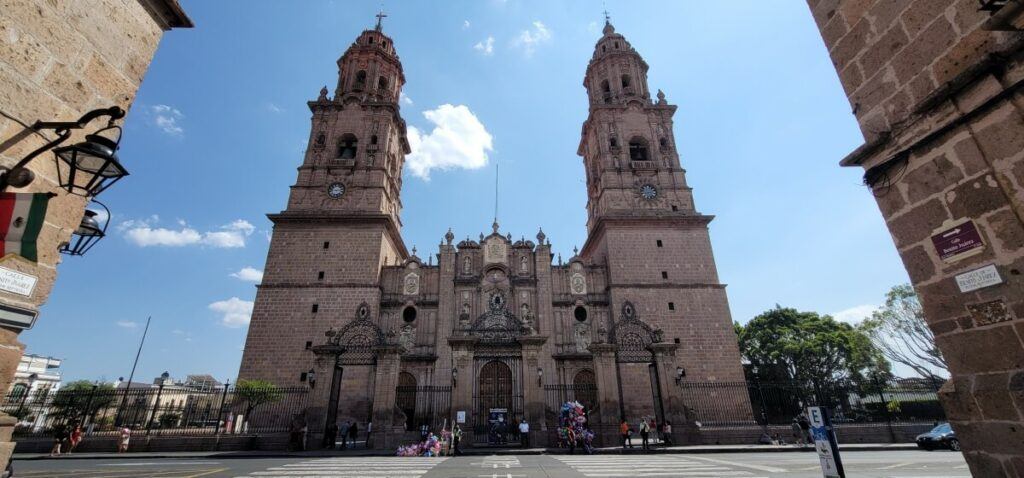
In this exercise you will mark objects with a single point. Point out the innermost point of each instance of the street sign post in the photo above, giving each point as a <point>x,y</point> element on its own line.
<point>825,442</point>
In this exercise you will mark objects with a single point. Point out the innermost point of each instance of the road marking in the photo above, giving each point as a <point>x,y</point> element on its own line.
<point>179,463</point>
<point>769,469</point>
<point>197,475</point>
<point>897,465</point>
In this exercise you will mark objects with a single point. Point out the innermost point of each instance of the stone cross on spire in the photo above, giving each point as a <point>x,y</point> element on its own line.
<point>380,18</point>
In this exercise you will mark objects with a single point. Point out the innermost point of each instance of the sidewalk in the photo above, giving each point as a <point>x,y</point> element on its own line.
<point>699,449</point>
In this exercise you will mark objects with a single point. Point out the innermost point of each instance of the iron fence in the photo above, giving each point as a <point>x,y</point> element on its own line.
<point>778,403</point>
<point>425,405</point>
<point>171,410</point>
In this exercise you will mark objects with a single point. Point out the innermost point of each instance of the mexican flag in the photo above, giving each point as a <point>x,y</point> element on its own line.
<point>21,219</point>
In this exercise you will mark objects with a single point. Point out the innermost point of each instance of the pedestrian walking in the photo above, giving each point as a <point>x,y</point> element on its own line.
<point>625,432</point>
<point>524,433</point>
<point>666,433</point>
<point>331,436</point>
<point>126,436</point>
<point>343,434</point>
<point>653,427</point>
<point>76,438</point>
<point>456,437</point>
<point>645,431</point>
<point>60,435</point>
<point>424,432</point>
<point>798,434</point>
<point>805,427</point>
<point>353,433</point>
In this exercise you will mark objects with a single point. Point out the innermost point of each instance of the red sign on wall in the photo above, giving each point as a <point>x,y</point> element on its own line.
<point>957,242</point>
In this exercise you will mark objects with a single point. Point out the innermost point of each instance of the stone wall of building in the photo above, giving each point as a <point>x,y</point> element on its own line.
<point>935,86</point>
<point>59,60</point>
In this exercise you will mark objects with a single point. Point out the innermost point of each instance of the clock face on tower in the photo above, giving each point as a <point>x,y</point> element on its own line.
<point>648,192</point>
<point>336,190</point>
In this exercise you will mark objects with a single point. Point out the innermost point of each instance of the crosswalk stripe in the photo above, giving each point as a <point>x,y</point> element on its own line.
<point>630,466</point>
<point>397,467</point>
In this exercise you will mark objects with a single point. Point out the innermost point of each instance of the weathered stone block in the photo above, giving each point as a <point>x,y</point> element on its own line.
<point>917,224</point>
<point>932,177</point>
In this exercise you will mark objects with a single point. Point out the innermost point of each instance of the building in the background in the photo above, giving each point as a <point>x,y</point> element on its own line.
<point>59,61</point>
<point>35,374</point>
<point>937,89</point>
<point>497,330</point>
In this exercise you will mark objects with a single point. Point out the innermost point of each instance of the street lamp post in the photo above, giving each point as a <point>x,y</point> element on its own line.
<point>156,405</point>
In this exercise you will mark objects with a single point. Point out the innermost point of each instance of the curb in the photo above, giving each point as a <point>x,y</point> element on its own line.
<point>471,452</point>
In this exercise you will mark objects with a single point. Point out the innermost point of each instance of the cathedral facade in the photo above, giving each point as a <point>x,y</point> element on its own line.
<point>496,330</point>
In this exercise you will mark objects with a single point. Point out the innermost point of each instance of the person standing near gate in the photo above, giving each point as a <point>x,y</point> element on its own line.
<point>343,433</point>
<point>524,433</point>
<point>456,437</point>
<point>645,432</point>
<point>666,433</point>
<point>805,427</point>
<point>353,433</point>
<point>624,430</point>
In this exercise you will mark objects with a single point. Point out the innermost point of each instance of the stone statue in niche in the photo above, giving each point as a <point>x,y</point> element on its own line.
<point>527,318</point>
<point>407,337</point>
<point>464,316</point>
<point>524,265</point>
<point>412,284</point>
<point>581,335</point>
<point>602,334</point>
<point>467,266</point>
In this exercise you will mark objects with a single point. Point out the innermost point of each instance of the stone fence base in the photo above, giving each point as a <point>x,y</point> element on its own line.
<point>153,443</point>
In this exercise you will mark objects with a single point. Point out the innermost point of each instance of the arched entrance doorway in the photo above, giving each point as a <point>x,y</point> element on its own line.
<point>494,402</point>
<point>405,398</point>
<point>584,385</point>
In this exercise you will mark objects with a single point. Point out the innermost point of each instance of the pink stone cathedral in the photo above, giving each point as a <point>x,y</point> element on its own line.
<point>495,330</point>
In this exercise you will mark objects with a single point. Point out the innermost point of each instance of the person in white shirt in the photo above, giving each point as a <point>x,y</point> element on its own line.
<point>524,433</point>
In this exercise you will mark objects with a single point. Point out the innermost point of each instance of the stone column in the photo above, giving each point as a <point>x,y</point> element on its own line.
<point>606,424</point>
<point>387,432</point>
<point>462,389</point>
<point>533,389</point>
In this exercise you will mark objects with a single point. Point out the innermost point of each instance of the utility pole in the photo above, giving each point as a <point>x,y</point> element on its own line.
<point>124,398</point>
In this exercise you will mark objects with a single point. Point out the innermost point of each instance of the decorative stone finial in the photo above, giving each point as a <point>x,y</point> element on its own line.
<point>494,226</point>
<point>575,251</point>
<point>661,97</point>
<point>481,237</point>
<point>323,93</point>
<point>413,250</point>
<point>449,236</point>
<point>541,236</point>
<point>608,28</point>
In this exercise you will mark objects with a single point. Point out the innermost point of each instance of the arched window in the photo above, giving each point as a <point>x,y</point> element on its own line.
<point>613,142</point>
<point>382,84</point>
<point>606,90</point>
<point>347,146</point>
<point>616,45</point>
<point>638,149</point>
<point>360,81</point>
<point>585,385</point>
<point>663,142</point>
<point>625,81</point>
<point>371,40</point>
<point>580,313</point>
<point>373,139</point>
<point>409,314</point>
<point>320,139</point>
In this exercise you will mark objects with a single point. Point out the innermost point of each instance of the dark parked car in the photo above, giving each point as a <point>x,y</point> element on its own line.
<point>942,436</point>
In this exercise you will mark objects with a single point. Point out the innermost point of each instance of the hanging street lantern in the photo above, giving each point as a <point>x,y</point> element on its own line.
<point>88,233</point>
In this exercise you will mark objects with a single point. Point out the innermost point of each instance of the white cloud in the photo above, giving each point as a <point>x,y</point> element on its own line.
<point>143,233</point>
<point>458,140</point>
<point>404,98</point>
<point>127,324</point>
<point>166,118</point>
<point>486,47</point>
<point>271,107</point>
<point>465,24</point>
<point>528,40</point>
<point>592,27</point>
<point>855,314</point>
<point>234,312</point>
<point>248,274</point>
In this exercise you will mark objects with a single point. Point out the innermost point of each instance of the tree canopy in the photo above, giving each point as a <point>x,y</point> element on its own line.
<point>257,392</point>
<point>900,332</point>
<point>810,349</point>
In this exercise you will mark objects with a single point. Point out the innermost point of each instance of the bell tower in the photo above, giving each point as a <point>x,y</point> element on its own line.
<point>641,220</point>
<point>357,142</point>
<point>342,224</point>
<point>627,145</point>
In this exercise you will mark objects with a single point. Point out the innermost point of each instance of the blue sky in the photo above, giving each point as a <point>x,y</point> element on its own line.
<point>220,123</point>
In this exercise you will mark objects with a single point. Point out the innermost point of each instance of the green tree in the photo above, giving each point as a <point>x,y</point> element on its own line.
<point>899,330</point>
<point>81,399</point>
<point>255,393</point>
<point>809,349</point>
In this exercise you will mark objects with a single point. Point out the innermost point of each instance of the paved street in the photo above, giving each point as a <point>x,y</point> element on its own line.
<point>889,464</point>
